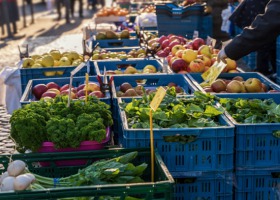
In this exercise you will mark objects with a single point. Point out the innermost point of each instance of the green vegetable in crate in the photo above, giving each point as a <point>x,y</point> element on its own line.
<point>54,121</point>
<point>252,110</point>
<point>197,111</point>
<point>114,171</point>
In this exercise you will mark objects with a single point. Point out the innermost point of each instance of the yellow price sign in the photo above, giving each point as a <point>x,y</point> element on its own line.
<point>157,98</point>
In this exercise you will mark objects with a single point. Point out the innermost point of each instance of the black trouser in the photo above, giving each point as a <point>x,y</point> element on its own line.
<point>266,59</point>
<point>59,4</point>
<point>72,7</point>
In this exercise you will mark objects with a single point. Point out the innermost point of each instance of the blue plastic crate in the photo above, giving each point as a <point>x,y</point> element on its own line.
<point>120,49</point>
<point>200,186</point>
<point>28,97</point>
<point>139,64</point>
<point>113,43</point>
<point>207,27</point>
<point>197,79</point>
<point>255,144</point>
<point>257,184</point>
<point>149,82</point>
<point>212,149</point>
<point>171,19</point>
<point>27,74</point>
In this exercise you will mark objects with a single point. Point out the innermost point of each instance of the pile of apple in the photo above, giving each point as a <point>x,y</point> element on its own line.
<point>115,11</point>
<point>103,54</point>
<point>238,85</point>
<point>51,90</point>
<point>188,56</point>
<point>53,59</point>
<point>148,69</point>
<point>127,90</point>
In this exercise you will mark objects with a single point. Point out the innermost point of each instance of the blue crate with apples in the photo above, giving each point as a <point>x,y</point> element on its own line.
<point>223,85</point>
<point>130,67</point>
<point>60,86</point>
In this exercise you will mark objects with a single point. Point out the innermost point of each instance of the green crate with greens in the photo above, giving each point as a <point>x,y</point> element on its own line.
<point>109,174</point>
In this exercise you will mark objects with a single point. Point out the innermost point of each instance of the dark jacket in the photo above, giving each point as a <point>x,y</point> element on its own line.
<point>264,29</point>
<point>246,12</point>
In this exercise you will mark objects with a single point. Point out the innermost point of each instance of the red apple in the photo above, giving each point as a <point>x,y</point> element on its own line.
<point>165,44</point>
<point>38,90</point>
<point>182,72</point>
<point>98,94</point>
<point>52,85</point>
<point>51,94</point>
<point>173,43</point>
<point>218,85</point>
<point>178,65</point>
<point>81,93</point>
<point>161,54</point>
<point>66,92</point>
<point>162,38</point>
<point>196,66</point>
<point>166,50</point>
<point>54,90</point>
<point>92,86</point>
<point>189,45</point>
<point>64,87</point>
<point>197,42</point>
<point>179,53</point>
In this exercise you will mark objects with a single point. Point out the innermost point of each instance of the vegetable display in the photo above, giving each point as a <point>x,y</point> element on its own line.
<point>196,111</point>
<point>252,110</point>
<point>64,126</point>
<point>119,170</point>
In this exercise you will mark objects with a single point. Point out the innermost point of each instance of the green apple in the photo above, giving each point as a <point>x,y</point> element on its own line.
<point>47,61</point>
<point>27,62</point>
<point>253,85</point>
<point>95,56</point>
<point>150,69</point>
<point>123,56</point>
<point>130,70</point>
<point>73,55</point>
<point>64,61</point>
<point>35,57</point>
<point>77,62</point>
<point>55,54</point>
<point>141,55</point>
<point>36,65</point>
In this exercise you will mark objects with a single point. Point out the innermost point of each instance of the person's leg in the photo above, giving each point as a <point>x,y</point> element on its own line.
<point>58,8</point>
<point>81,8</point>
<point>14,24</point>
<point>72,7</point>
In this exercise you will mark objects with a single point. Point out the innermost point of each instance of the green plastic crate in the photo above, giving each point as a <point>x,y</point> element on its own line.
<point>161,188</point>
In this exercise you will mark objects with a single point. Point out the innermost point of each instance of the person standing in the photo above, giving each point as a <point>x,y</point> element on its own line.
<point>242,17</point>
<point>72,8</point>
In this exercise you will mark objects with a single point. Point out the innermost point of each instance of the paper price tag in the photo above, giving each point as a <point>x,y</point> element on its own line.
<point>157,98</point>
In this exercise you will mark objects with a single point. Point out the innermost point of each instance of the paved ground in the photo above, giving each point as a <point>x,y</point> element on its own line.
<point>45,34</point>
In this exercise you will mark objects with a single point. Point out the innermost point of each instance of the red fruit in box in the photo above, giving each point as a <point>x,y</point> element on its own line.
<point>38,90</point>
<point>52,85</point>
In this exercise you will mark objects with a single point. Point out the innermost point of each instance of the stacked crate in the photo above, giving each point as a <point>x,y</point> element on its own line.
<point>173,19</point>
<point>202,167</point>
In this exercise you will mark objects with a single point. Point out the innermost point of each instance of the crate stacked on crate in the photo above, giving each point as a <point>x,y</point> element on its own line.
<point>200,159</point>
<point>118,187</point>
<point>257,152</point>
<point>54,64</point>
<point>171,18</point>
<point>278,60</point>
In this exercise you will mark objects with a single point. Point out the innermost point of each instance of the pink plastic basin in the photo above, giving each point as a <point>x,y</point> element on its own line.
<point>48,147</point>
